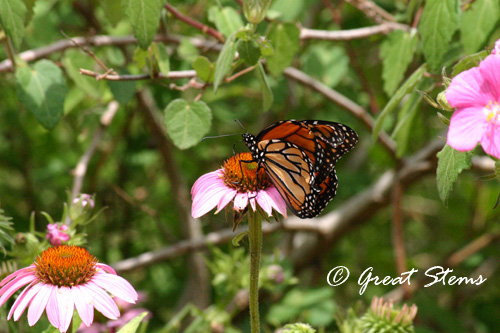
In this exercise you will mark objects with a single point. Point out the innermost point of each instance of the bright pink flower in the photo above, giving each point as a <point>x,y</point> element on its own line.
<point>56,234</point>
<point>61,279</point>
<point>238,182</point>
<point>496,50</point>
<point>476,95</point>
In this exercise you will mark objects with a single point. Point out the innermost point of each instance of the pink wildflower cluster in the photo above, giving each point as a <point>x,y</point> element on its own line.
<point>56,234</point>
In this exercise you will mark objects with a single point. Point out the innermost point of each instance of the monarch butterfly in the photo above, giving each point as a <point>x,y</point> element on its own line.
<point>299,157</point>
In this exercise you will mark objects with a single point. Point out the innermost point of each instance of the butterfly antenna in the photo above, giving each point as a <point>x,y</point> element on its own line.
<point>236,120</point>
<point>220,136</point>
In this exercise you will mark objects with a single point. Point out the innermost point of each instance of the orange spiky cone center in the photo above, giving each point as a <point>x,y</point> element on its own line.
<point>244,176</point>
<point>65,265</point>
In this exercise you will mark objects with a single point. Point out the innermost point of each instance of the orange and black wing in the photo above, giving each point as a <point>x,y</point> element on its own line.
<point>300,158</point>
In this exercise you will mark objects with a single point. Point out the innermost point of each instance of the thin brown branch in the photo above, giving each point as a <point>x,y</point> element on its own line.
<point>89,52</point>
<point>240,73</point>
<point>9,50</point>
<point>358,33</point>
<point>198,285</point>
<point>81,168</point>
<point>398,234</point>
<point>331,226</point>
<point>61,45</point>
<point>198,25</point>
<point>171,75</point>
<point>372,11</point>
<point>339,99</point>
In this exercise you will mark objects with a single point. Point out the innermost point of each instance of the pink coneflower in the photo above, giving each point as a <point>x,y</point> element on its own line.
<point>239,182</point>
<point>476,95</point>
<point>61,279</point>
<point>56,234</point>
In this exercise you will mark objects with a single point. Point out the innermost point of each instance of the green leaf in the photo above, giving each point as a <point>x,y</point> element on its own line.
<point>145,18</point>
<point>406,88</point>
<point>187,123</point>
<point>249,51</point>
<point>237,239</point>
<point>396,52</point>
<point>404,128</point>
<point>42,90</point>
<point>224,61</point>
<point>123,91</point>
<point>478,22</point>
<point>187,51</point>
<point>267,94</point>
<point>450,164</point>
<point>286,10</point>
<point>140,57</point>
<point>113,10</point>
<point>284,38</point>
<point>12,16</point>
<point>227,20</point>
<point>74,60</point>
<point>327,63</point>
<point>162,59</point>
<point>440,19</point>
<point>76,322</point>
<point>133,325</point>
<point>30,4</point>
<point>468,62</point>
<point>204,69</point>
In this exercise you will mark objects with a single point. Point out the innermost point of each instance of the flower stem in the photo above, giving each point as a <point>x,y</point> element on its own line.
<point>255,238</point>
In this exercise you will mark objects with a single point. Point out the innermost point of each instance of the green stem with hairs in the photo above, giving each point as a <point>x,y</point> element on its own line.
<point>255,239</point>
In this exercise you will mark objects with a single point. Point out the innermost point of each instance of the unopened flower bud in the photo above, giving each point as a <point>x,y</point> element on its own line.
<point>81,207</point>
<point>443,102</point>
<point>276,273</point>
<point>255,10</point>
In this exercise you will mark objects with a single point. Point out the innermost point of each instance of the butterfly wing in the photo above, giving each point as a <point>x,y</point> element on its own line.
<point>300,158</point>
<point>289,169</point>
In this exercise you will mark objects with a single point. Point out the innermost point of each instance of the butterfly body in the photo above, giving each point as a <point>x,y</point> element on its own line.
<point>299,157</point>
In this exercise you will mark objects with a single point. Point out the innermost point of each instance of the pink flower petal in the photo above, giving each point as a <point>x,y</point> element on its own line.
<point>251,199</point>
<point>491,140</point>
<point>490,70</point>
<point>117,286</point>
<point>38,303</point>
<point>83,304</point>
<point>53,308</point>
<point>106,268</point>
<point>206,201</point>
<point>102,301</point>
<point>66,308</point>
<point>264,202</point>
<point>24,271</point>
<point>277,201</point>
<point>206,180</point>
<point>240,201</point>
<point>466,128</point>
<point>10,288</point>
<point>468,89</point>
<point>226,198</point>
<point>22,302</point>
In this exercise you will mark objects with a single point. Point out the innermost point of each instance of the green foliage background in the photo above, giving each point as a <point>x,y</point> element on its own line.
<point>45,131</point>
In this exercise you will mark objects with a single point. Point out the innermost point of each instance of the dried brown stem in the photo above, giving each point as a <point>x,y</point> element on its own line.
<point>371,10</point>
<point>197,290</point>
<point>344,102</point>
<point>89,52</point>
<point>171,75</point>
<point>398,235</point>
<point>81,168</point>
